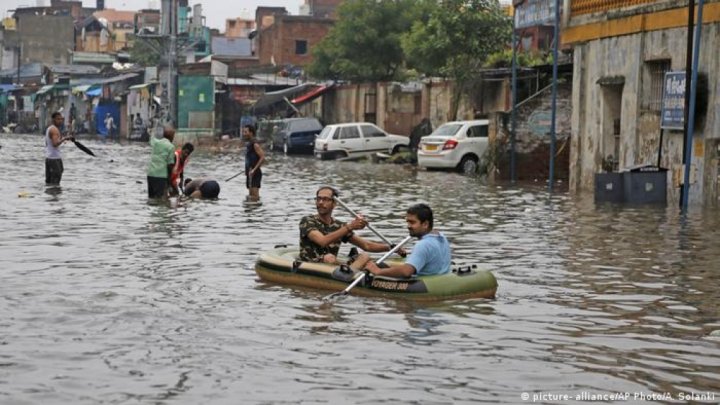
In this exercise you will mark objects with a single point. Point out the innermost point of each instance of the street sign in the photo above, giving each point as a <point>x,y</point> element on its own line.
<point>672,115</point>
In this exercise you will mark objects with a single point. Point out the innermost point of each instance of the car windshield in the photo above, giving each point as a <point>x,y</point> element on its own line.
<point>325,133</point>
<point>447,130</point>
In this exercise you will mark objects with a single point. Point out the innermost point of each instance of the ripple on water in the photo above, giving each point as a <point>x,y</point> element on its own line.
<point>109,298</point>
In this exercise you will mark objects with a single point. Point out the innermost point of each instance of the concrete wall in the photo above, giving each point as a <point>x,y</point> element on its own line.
<point>595,104</point>
<point>46,38</point>
<point>533,120</point>
<point>395,108</point>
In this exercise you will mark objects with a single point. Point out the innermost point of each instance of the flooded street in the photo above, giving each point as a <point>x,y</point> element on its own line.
<point>107,298</point>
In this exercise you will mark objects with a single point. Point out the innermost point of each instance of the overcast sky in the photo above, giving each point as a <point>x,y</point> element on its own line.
<point>216,11</point>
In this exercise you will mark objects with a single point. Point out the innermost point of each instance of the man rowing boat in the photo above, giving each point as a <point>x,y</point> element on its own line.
<point>321,234</point>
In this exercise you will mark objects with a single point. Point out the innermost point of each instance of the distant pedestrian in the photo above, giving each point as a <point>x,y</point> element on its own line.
<point>110,125</point>
<point>53,158</point>
<point>162,161</point>
<point>254,158</point>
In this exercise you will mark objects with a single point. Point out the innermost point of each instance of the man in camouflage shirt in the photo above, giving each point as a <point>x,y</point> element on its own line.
<point>321,234</point>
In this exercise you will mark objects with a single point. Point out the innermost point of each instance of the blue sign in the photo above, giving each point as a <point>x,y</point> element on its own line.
<point>672,115</point>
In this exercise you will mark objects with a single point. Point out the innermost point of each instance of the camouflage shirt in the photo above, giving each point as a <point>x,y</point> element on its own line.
<point>309,250</point>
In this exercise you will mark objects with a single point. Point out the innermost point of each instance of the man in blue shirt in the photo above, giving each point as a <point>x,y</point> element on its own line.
<point>431,255</point>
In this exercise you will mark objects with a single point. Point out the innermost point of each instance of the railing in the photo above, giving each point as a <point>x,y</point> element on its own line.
<point>578,7</point>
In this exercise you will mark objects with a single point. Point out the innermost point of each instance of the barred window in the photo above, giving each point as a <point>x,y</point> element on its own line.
<point>656,70</point>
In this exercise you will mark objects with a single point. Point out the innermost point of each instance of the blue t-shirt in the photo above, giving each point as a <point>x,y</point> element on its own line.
<point>431,255</point>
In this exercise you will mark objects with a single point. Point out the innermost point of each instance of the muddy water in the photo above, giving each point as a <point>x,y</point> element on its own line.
<point>106,298</point>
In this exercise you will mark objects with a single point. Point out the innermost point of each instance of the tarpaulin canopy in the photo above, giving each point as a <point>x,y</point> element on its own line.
<point>312,94</point>
<point>274,97</point>
<point>45,89</point>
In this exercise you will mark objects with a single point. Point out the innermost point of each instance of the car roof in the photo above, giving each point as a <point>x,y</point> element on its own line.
<point>347,124</point>
<point>471,122</point>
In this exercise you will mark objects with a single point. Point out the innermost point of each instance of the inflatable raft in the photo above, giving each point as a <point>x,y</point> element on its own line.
<point>280,265</point>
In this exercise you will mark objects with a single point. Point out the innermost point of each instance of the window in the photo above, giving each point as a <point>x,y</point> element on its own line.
<point>655,75</point>
<point>478,131</point>
<point>300,47</point>
<point>349,133</point>
<point>370,131</point>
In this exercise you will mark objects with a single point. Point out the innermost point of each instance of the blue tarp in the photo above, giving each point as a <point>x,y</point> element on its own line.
<point>94,92</point>
<point>100,114</point>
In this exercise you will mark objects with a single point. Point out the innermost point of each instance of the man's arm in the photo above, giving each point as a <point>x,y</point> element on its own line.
<point>368,245</point>
<point>323,240</point>
<point>56,138</point>
<point>401,270</point>
<point>371,246</point>
<point>261,156</point>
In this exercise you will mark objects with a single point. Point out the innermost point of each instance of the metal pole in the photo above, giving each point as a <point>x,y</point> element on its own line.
<point>691,114</point>
<point>551,179</point>
<point>513,99</point>
<point>688,74</point>
<point>172,92</point>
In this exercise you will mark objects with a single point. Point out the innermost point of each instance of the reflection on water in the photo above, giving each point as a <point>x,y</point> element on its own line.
<point>110,298</point>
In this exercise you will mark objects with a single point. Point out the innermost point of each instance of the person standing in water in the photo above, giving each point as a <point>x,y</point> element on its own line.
<point>53,158</point>
<point>254,158</point>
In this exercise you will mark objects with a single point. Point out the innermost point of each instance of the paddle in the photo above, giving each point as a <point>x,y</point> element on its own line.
<point>76,142</point>
<point>82,147</point>
<point>370,227</point>
<point>235,175</point>
<point>361,276</point>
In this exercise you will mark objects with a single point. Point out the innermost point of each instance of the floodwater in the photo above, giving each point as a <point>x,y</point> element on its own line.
<point>107,298</point>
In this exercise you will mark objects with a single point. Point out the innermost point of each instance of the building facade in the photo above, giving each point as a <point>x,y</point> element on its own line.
<point>622,51</point>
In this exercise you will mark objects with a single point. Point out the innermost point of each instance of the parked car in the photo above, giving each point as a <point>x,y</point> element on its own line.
<point>295,135</point>
<point>356,139</point>
<point>454,145</point>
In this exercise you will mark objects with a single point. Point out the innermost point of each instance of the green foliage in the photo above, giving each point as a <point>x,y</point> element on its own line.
<point>364,45</point>
<point>524,59</point>
<point>457,38</point>
<point>143,52</point>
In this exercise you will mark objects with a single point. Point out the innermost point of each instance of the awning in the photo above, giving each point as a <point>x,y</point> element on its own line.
<point>312,95</point>
<point>7,88</point>
<point>45,89</point>
<point>274,97</point>
<point>94,92</point>
<point>80,89</point>
<point>139,86</point>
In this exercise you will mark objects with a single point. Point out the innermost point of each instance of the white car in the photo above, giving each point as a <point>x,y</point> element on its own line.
<point>454,145</point>
<point>356,139</point>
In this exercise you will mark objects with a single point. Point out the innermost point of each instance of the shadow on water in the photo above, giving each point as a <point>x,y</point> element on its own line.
<point>108,297</point>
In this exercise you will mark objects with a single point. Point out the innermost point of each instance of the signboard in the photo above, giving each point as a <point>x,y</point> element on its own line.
<point>672,115</point>
<point>531,13</point>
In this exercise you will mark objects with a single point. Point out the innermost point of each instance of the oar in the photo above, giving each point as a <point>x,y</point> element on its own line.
<point>370,227</point>
<point>83,147</point>
<point>235,175</point>
<point>361,276</point>
<point>76,142</point>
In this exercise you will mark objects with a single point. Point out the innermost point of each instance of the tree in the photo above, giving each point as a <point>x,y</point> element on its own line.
<point>364,44</point>
<point>455,41</point>
<point>146,51</point>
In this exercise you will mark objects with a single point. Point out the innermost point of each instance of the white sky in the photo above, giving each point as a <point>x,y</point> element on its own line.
<point>215,11</point>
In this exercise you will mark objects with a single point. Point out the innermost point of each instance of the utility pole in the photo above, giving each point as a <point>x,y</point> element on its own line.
<point>168,33</point>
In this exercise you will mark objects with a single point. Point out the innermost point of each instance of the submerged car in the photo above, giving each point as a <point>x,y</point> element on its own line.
<point>454,145</point>
<point>294,135</point>
<point>356,139</point>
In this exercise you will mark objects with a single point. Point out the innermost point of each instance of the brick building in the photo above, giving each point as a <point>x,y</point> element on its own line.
<point>288,40</point>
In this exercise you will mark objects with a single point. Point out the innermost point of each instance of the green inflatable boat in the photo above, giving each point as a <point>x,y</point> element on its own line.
<point>280,265</point>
